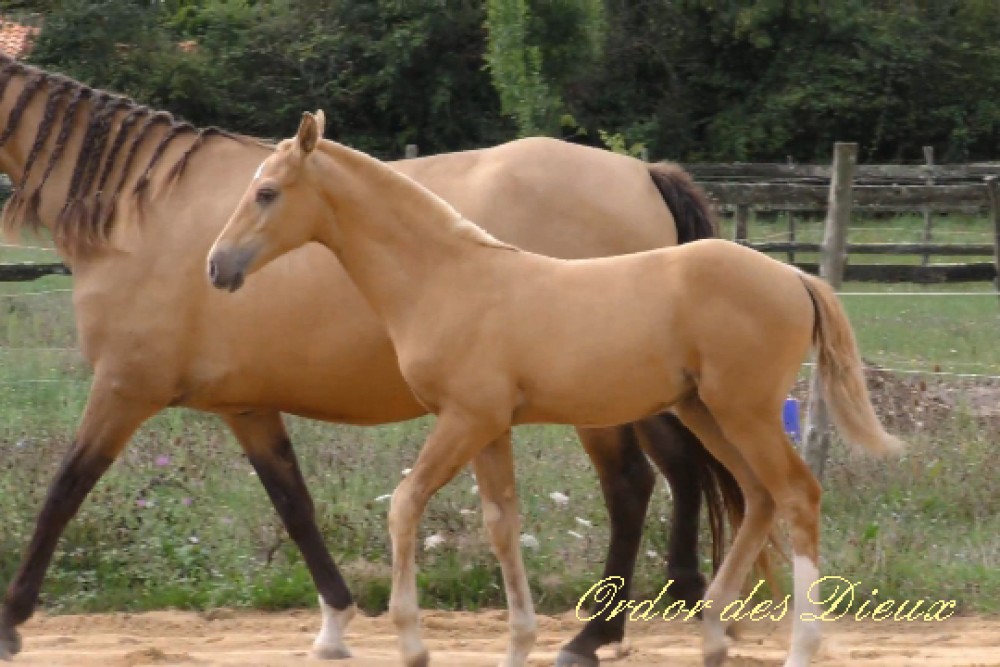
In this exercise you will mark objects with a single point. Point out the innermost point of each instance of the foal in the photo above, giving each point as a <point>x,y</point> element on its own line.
<point>489,336</point>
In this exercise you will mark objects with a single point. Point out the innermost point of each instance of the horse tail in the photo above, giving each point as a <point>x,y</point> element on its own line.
<point>840,369</point>
<point>694,215</point>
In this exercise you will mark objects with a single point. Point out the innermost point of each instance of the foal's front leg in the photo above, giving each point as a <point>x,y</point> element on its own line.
<point>494,468</point>
<point>456,438</point>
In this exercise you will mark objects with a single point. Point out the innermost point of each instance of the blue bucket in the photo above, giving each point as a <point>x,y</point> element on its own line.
<point>790,416</point>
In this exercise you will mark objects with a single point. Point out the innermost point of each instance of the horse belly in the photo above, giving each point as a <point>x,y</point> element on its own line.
<point>585,391</point>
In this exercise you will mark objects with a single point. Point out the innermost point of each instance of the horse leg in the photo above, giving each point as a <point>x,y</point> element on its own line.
<point>681,459</point>
<point>627,483</point>
<point>454,441</point>
<point>494,468</point>
<point>772,458</point>
<point>266,444</point>
<point>753,531</point>
<point>108,421</point>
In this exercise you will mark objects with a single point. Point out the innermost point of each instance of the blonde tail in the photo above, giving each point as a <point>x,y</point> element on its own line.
<point>840,369</point>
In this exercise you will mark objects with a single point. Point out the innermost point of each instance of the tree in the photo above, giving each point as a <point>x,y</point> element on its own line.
<point>533,56</point>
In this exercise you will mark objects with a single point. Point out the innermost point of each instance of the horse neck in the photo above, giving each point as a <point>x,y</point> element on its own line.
<point>393,236</point>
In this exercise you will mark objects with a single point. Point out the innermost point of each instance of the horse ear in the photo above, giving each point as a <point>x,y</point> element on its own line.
<point>320,122</point>
<point>308,134</point>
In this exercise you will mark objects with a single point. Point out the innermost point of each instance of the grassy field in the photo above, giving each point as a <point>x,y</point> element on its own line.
<point>181,521</point>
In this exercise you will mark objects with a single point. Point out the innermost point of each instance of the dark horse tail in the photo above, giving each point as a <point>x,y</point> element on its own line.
<point>694,218</point>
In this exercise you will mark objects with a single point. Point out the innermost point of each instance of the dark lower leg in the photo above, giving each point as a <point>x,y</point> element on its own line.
<point>678,455</point>
<point>627,484</point>
<point>270,452</point>
<point>78,474</point>
<point>107,424</point>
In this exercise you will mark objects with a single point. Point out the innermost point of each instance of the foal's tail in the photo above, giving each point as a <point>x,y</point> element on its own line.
<point>839,365</point>
<point>694,216</point>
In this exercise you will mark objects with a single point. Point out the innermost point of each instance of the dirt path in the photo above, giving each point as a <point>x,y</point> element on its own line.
<point>470,640</point>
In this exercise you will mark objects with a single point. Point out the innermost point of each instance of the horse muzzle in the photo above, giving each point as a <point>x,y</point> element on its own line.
<point>227,267</point>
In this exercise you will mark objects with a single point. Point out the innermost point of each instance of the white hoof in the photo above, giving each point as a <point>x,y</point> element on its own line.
<point>329,644</point>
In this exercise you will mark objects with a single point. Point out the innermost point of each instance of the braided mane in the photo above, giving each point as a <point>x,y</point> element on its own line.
<point>87,214</point>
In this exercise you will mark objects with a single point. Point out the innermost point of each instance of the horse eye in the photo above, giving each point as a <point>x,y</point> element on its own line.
<point>266,195</point>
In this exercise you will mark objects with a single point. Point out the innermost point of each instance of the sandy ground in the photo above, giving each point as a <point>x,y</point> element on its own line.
<point>470,639</point>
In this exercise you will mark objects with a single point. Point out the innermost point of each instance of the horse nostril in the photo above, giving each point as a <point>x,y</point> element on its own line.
<point>213,270</point>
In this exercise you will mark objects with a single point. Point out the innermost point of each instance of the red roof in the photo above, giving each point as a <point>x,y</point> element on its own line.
<point>16,39</point>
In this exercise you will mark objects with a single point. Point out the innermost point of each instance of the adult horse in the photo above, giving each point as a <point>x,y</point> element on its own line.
<point>134,200</point>
<point>490,336</point>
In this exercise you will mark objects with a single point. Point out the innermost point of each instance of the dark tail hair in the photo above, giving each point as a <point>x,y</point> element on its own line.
<point>694,215</point>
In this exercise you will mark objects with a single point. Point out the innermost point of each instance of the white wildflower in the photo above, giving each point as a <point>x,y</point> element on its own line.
<point>433,541</point>
<point>583,522</point>
<point>407,471</point>
<point>466,512</point>
<point>384,497</point>
<point>474,489</point>
<point>652,554</point>
<point>559,498</point>
<point>529,541</point>
<point>575,534</point>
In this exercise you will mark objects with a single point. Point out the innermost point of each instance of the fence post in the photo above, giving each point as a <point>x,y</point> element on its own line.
<point>929,159</point>
<point>791,236</point>
<point>411,151</point>
<point>742,221</point>
<point>993,188</point>
<point>816,443</point>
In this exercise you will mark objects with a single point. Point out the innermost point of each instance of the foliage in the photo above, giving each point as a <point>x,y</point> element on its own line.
<point>533,51</point>
<point>386,73</point>
<point>689,79</point>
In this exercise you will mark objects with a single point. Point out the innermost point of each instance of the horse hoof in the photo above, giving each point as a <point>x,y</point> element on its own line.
<point>422,659</point>
<point>716,658</point>
<point>10,643</point>
<point>621,649</point>
<point>567,659</point>
<point>331,652</point>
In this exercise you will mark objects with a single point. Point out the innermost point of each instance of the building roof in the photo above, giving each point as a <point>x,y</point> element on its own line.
<point>16,39</point>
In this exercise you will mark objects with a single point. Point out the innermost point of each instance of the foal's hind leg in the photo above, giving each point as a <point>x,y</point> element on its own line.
<point>265,441</point>
<point>751,535</point>
<point>765,450</point>
<point>494,468</point>
<point>627,483</point>
<point>456,438</point>
<point>109,420</point>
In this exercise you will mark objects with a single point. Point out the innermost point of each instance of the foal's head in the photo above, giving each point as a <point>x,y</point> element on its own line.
<point>277,213</point>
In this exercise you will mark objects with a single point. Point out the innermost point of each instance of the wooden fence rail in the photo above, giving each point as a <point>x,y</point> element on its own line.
<point>12,273</point>
<point>822,172</point>
<point>738,188</point>
<point>964,198</point>
<point>925,189</point>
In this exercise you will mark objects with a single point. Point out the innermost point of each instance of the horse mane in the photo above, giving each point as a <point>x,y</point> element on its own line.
<point>88,209</point>
<point>461,226</point>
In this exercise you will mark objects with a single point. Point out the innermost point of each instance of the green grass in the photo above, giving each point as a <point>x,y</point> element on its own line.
<point>197,531</point>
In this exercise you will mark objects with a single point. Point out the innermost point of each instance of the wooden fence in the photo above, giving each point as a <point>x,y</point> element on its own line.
<point>742,188</point>
<point>927,189</point>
